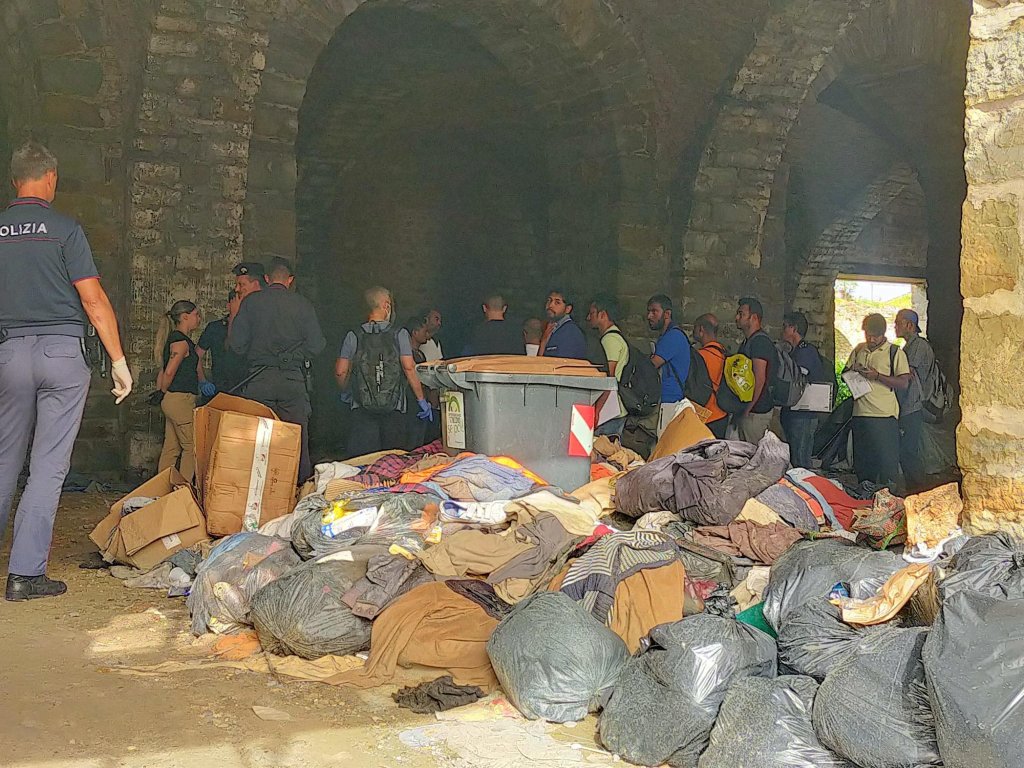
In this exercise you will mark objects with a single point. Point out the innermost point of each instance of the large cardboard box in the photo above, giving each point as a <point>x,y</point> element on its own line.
<point>148,536</point>
<point>247,463</point>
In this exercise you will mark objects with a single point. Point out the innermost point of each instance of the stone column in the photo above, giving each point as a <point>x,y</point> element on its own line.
<point>991,435</point>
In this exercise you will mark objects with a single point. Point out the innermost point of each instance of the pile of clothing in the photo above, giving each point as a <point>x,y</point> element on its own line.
<point>695,602</point>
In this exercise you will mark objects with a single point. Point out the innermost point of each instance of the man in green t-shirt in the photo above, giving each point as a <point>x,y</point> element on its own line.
<point>611,416</point>
<point>876,431</point>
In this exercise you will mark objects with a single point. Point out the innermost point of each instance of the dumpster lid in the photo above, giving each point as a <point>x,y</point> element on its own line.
<point>550,366</point>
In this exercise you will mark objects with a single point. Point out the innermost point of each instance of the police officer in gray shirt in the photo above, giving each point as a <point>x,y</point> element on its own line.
<point>277,330</point>
<point>49,287</point>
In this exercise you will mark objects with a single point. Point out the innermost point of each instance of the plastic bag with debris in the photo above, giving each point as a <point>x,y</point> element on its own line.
<point>769,718</point>
<point>814,639</point>
<point>323,528</point>
<point>992,564</point>
<point>809,569</point>
<point>872,708</point>
<point>972,661</point>
<point>668,694</point>
<point>238,567</point>
<point>554,660</point>
<point>302,613</point>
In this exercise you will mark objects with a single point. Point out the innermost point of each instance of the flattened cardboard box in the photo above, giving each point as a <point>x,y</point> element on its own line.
<point>247,461</point>
<point>148,536</point>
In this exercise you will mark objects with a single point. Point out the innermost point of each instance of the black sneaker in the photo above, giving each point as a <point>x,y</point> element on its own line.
<point>33,587</point>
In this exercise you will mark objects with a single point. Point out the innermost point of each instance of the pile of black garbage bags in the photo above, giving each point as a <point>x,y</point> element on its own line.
<point>712,692</point>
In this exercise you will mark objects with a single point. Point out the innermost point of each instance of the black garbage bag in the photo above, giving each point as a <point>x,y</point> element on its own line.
<point>236,569</point>
<point>972,662</point>
<point>302,614</point>
<point>814,638</point>
<point>872,708</point>
<point>374,519</point>
<point>992,564</point>
<point>554,660</point>
<point>667,697</point>
<point>809,569</point>
<point>766,722</point>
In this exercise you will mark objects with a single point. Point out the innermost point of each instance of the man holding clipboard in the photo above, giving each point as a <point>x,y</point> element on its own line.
<point>875,370</point>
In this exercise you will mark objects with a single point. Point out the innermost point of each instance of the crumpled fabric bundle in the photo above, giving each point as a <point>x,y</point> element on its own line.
<point>302,614</point>
<point>872,708</point>
<point>668,695</point>
<point>809,569</point>
<point>554,660</point>
<point>708,483</point>
<point>238,567</point>
<point>387,578</point>
<point>972,661</point>
<point>760,543</point>
<point>438,695</point>
<point>594,577</point>
<point>882,525</point>
<point>767,723</point>
<point>332,470</point>
<point>429,626</point>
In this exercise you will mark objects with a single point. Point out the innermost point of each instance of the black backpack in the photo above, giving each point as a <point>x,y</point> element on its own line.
<point>699,387</point>
<point>377,372</point>
<point>639,385</point>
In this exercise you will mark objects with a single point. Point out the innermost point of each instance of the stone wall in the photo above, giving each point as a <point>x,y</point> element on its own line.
<point>991,435</point>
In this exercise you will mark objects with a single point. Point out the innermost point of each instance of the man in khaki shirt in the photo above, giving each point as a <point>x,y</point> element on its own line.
<point>876,432</point>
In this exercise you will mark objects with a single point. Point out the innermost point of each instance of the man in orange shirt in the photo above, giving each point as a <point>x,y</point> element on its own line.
<point>705,333</point>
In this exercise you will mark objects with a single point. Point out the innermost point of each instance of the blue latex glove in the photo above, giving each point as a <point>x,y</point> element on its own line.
<point>425,414</point>
<point>207,389</point>
<point>345,397</point>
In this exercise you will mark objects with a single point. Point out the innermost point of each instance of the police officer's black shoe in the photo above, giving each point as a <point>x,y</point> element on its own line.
<point>33,587</point>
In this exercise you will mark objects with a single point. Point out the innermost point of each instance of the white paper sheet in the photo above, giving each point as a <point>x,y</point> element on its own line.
<point>859,386</point>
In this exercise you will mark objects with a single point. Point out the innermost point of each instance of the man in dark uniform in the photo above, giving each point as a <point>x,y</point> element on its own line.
<point>49,285</point>
<point>228,368</point>
<point>277,331</point>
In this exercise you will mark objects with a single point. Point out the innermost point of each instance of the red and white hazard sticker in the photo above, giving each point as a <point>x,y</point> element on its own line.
<point>581,430</point>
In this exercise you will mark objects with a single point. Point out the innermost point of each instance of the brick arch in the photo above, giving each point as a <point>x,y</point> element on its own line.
<point>834,252</point>
<point>801,50</point>
<point>548,47</point>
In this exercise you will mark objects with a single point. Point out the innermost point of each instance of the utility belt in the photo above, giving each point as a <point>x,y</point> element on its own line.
<point>93,352</point>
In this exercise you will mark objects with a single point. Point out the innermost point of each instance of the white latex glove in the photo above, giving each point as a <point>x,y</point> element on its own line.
<point>122,378</point>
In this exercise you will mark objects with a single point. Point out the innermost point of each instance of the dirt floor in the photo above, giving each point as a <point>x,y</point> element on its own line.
<point>64,703</point>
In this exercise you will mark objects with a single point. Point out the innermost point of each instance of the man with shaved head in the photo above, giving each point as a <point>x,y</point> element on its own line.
<point>705,334</point>
<point>495,335</point>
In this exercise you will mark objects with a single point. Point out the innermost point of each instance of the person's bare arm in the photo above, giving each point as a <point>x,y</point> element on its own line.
<point>179,351</point>
<point>101,314</point>
<point>658,360</point>
<point>760,380</point>
<point>342,367</point>
<point>892,382</point>
<point>409,366</point>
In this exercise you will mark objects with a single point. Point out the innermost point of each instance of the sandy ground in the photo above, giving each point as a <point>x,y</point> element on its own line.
<point>62,704</point>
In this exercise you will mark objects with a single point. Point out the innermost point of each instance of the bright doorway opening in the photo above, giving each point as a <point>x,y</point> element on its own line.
<point>858,296</point>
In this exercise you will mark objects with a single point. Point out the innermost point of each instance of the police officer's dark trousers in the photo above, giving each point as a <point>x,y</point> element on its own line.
<point>44,381</point>
<point>284,392</point>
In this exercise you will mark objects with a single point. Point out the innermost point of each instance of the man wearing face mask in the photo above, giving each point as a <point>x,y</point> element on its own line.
<point>373,367</point>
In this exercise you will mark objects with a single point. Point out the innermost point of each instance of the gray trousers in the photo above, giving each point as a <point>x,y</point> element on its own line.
<point>43,384</point>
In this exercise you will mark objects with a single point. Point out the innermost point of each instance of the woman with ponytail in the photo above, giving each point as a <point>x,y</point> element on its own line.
<point>178,379</point>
